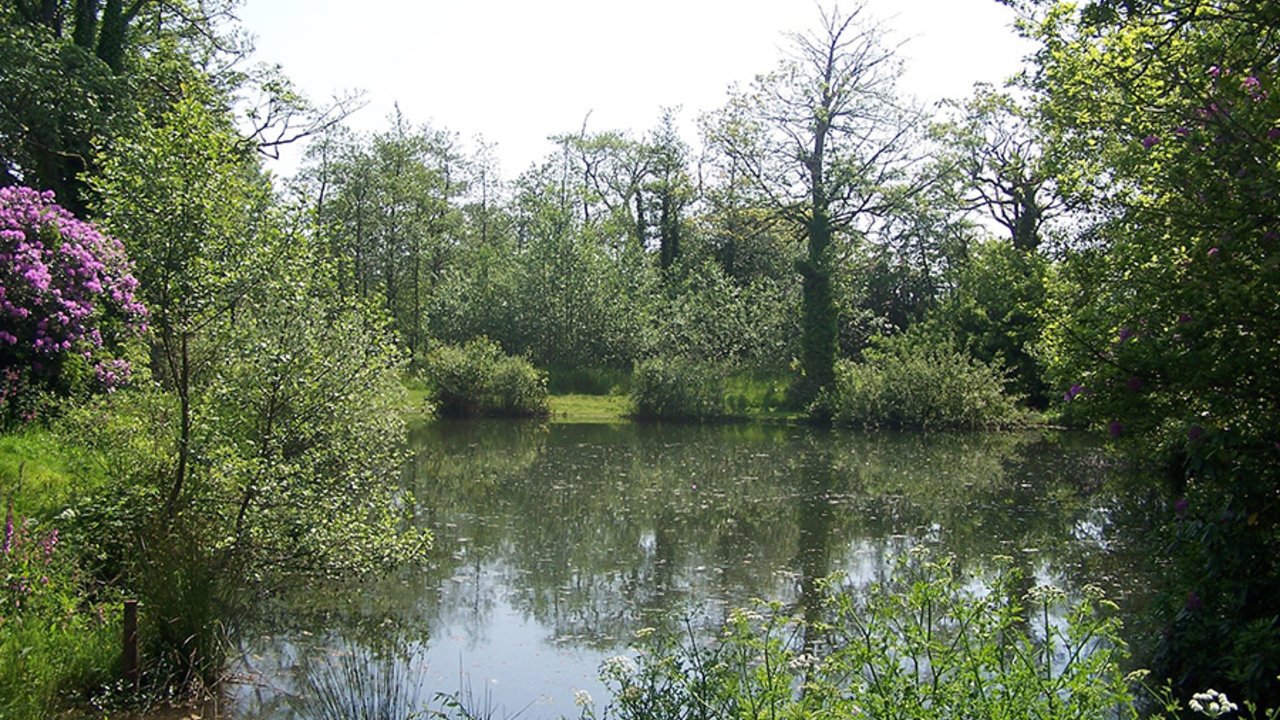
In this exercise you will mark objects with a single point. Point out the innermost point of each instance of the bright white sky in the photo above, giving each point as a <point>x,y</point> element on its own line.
<point>517,71</point>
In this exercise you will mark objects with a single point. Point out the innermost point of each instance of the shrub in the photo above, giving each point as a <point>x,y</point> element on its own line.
<point>677,389</point>
<point>907,385</point>
<point>67,305</point>
<point>477,379</point>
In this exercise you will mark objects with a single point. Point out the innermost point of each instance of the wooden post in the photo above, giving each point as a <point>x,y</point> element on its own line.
<point>131,670</point>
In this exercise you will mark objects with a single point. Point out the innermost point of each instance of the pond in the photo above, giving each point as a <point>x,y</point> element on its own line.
<point>555,543</point>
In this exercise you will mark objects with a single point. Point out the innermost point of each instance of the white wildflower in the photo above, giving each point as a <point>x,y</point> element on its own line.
<point>582,698</point>
<point>619,666</point>
<point>1212,703</point>
<point>803,661</point>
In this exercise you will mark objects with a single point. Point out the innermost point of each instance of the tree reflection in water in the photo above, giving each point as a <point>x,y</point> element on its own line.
<point>555,543</point>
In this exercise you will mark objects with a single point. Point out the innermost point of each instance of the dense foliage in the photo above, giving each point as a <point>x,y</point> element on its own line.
<point>908,384</point>
<point>1166,326</point>
<point>677,389</point>
<point>68,313</point>
<point>1106,234</point>
<point>477,379</point>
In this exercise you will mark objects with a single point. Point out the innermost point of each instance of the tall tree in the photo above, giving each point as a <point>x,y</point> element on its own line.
<point>78,72</point>
<point>187,199</point>
<point>1165,112</point>
<point>824,139</point>
<point>389,206</point>
<point>669,187</point>
<point>999,167</point>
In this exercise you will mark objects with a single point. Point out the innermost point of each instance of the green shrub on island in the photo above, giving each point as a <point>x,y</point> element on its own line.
<point>906,385</point>
<point>677,389</point>
<point>477,379</point>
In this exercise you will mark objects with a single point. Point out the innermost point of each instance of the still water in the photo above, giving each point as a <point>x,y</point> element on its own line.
<point>555,543</point>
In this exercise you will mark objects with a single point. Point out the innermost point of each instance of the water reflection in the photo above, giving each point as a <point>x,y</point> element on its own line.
<point>556,543</point>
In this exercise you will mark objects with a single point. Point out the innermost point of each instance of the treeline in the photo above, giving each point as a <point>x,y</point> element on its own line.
<point>619,248</point>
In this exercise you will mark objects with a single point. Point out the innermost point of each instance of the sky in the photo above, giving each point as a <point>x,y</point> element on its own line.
<point>515,72</point>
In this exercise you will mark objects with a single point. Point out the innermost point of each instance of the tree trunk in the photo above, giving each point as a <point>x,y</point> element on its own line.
<point>818,351</point>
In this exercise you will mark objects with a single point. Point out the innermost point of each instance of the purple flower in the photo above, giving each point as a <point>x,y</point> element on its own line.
<point>1193,602</point>
<point>1183,319</point>
<point>1181,506</point>
<point>1125,333</point>
<point>1182,131</point>
<point>1150,141</point>
<point>1213,251</point>
<point>1214,71</point>
<point>8,530</point>
<point>1115,428</point>
<point>60,280</point>
<point>1073,392</point>
<point>1273,133</point>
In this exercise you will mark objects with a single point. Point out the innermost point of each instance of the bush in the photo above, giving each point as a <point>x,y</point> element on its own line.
<point>68,314</point>
<point>478,380</point>
<point>677,389</point>
<point>907,385</point>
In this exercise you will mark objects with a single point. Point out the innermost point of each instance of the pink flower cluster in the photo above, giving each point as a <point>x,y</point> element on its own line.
<point>63,284</point>
<point>26,562</point>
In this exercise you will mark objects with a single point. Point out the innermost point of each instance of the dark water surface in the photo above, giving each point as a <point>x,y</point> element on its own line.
<point>555,543</point>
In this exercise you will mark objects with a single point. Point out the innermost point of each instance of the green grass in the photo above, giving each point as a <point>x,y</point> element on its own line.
<point>417,406</point>
<point>51,472</point>
<point>48,665</point>
<point>55,646</point>
<point>578,408</point>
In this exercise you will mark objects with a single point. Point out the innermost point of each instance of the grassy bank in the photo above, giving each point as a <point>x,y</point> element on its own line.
<point>59,631</point>
<point>579,408</point>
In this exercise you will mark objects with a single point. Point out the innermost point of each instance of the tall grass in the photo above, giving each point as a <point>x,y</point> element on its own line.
<point>748,393</point>
<point>922,646</point>
<point>50,662</point>
<point>358,684</point>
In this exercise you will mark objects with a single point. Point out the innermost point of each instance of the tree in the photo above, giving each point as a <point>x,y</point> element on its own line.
<point>670,187</point>
<point>999,165</point>
<point>78,74</point>
<point>285,439</point>
<point>73,77</point>
<point>389,208</point>
<point>193,211</point>
<point>1167,329</point>
<point>823,139</point>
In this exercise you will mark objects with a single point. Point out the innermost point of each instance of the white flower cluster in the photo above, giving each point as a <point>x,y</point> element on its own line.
<point>618,666</point>
<point>582,698</point>
<point>803,661</point>
<point>1212,703</point>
